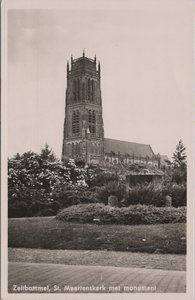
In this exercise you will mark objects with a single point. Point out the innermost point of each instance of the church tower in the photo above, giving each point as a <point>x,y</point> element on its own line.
<point>83,125</point>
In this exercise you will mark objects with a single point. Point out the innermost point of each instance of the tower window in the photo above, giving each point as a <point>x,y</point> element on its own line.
<point>75,122</point>
<point>92,90</point>
<point>90,116</point>
<point>93,129</point>
<point>83,91</point>
<point>93,117</point>
<point>95,91</point>
<point>78,89</point>
<point>75,90</point>
<point>92,121</point>
<point>88,91</point>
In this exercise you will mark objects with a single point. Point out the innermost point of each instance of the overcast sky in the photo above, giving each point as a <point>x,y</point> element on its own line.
<point>145,53</point>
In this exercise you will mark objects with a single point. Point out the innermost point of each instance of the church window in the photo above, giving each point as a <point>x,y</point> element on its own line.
<point>83,91</point>
<point>93,117</point>
<point>90,116</point>
<point>78,89</point>
<point>88,92</point>
<point>75,122</point>
<point>93,129</point>
<point>75,90</point>
<point>92,90</point>
<point>92,121</point>
<point>95,91</point>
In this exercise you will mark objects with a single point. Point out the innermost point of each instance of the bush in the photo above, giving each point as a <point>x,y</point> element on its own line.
<point>39,184</point>
<point>100,177</point>
<point>115,188</point>
<point>66,195</point>
<point>178,192</point>
<point>147,194</point>
<point>36,181</point>
<point>132,215</point>
<point>154,194</point>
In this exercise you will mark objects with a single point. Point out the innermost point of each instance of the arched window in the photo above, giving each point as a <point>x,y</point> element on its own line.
<point>90,116</point>
<point>78,89</point>
<point>75,122</point>
<point>75,90</point>
<point>92,90</point>
<point>83,91</point>
<point>95,92</point>
<point>93,117</point>
<point>88,90</point>
<point>92,121</point>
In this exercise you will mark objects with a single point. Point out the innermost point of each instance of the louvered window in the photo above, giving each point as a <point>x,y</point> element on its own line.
<point>75,122</point>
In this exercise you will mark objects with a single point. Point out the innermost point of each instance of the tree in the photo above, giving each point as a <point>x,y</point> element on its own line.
<point>177,173</point>
<point>34,180</point>
<point>179,156</point>
<point>47,154</point>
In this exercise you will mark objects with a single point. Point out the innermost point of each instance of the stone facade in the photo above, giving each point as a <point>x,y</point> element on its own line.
<point>83,136</point>
<point>83,125</point>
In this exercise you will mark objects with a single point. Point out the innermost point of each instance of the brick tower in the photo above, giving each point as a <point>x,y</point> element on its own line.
<point>83,125</point>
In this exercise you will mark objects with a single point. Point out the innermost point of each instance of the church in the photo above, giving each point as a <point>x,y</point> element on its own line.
<point>83,136</point>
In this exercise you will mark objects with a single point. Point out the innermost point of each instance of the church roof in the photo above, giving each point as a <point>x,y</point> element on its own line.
<point>130,148</point>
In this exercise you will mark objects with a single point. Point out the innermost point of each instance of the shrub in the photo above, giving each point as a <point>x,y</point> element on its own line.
<point>154,194</point>
<point>178,192</point>
<point>67,195</point>
<point>101,194</point>
<point>132,215</point>
<point>100,177</point>
<point>36,181</point>
<point>147,194</point>
<point>41,184</point>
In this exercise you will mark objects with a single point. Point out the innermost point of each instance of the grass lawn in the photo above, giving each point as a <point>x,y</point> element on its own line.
<point>99,258</point>
<point>49,233</point>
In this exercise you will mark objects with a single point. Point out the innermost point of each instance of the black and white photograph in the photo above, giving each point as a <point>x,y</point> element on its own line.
<point>97,149</point>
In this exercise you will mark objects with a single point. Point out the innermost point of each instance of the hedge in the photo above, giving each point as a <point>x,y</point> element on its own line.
<point>132,215</point>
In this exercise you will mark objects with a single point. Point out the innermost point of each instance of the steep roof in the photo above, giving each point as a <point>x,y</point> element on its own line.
<point>164,159</point>
<point>127,147</point>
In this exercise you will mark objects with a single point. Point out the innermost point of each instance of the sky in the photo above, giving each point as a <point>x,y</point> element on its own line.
<point>145,52</point>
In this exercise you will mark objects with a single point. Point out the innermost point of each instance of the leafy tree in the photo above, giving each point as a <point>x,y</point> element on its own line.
<point>34,179</point>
